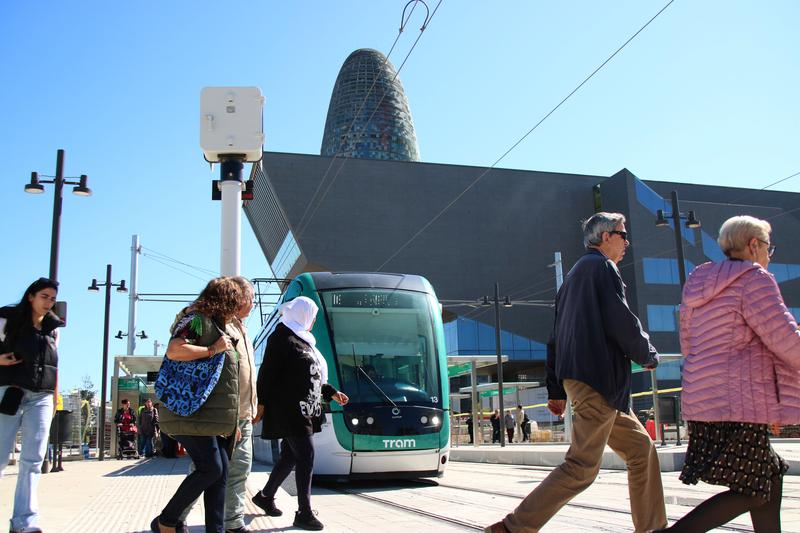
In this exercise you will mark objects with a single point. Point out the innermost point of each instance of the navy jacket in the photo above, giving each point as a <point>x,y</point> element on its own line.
<point>596,335</point>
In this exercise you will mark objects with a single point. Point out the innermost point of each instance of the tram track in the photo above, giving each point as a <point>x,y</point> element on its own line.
<point>472,526</point>
<point>577,505</point>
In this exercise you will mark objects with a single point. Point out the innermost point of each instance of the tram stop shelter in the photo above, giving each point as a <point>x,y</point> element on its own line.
<point>458,365</point>
<point>130,380</point>
<point>662,358</point>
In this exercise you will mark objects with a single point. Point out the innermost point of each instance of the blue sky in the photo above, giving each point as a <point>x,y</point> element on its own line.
<point>706,94</point>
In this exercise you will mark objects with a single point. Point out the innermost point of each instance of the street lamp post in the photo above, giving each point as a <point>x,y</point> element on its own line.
<point>661,221</point>
<point>95,287</point>
<point>80,189</point>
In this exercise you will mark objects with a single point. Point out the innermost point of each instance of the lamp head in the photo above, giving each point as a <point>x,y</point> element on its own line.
<point>122,287</point>
<point>485,302</point>
<point>660,220</point>
<point>507,302</point>
<point>81,189</point>
<point>93,287</point>
<point>142,335</point>
<point>691,221</point>
<point>34,187</point>
<point>118,335</point>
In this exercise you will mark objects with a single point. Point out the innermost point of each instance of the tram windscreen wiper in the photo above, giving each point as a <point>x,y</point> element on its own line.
<point>375,385</point>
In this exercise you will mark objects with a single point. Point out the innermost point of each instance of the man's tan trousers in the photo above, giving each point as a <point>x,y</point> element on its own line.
<point>594,424</point>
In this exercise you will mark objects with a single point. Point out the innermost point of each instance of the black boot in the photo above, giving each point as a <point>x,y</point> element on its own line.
<point>307,520</point>
<point>267,504</point>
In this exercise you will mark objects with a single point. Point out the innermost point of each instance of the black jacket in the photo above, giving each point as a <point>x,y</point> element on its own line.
<point>596,335</point>
<point>37,348</point>
<point>290,388</point>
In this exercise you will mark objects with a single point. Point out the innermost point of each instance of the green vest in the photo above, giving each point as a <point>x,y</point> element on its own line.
<point>219,415</point>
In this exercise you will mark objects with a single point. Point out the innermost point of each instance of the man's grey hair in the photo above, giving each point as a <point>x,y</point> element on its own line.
<point>599,223</point>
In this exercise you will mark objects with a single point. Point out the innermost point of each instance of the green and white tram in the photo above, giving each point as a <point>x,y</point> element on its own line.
<point>382,337</point>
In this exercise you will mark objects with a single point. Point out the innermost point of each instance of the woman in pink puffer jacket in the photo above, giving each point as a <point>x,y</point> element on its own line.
<point>742,372</point>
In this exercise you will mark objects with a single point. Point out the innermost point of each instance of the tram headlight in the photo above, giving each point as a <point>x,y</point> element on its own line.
<point>354,421</point>
<point>423,419</point>
<point>435,420</point>
<point>370,420</point>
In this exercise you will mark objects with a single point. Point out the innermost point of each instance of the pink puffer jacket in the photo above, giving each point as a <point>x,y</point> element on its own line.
<point>742,347</point>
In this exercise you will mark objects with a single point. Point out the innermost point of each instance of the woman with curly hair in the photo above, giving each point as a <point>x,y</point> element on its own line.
<point>207,434</point>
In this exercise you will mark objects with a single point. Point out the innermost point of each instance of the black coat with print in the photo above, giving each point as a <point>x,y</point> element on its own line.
<point>290,387</point>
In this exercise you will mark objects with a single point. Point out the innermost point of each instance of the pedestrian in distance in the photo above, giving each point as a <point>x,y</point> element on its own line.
<point>469,429</point>
<point>208,434</point>
<point>742,373</point>
<point>494,419</point>
<point>292,383</point>
<point>519,415</point>
<point>509,423</point>
<point>595,337</point>
<point>147,424</point>
<point>526,428</point>
<point>242,458</point>
<point>28,390</point>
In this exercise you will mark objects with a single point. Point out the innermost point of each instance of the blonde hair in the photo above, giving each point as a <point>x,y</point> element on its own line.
<point>737,232</point>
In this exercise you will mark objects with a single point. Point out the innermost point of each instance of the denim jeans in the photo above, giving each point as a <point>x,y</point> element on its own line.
<point>210,459</point>
<point>297,453</point>
<point>34,416</point>
<point>146,445</point>
<point>238,470</point>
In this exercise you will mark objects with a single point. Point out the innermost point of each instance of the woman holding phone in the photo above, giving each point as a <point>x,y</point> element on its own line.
<point>28,385</point>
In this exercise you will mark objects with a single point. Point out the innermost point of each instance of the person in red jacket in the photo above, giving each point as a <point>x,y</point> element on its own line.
<point>742,373</point>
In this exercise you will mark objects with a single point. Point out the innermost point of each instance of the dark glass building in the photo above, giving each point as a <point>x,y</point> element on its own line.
<point>368,116</point>
<point>505,229</point>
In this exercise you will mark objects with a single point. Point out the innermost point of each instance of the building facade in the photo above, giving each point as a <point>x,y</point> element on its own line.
<point>377,217</point>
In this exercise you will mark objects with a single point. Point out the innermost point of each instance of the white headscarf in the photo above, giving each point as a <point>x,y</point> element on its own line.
<point>298,315</point>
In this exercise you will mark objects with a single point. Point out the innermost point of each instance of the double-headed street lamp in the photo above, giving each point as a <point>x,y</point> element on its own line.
<point>662,222</point>
<point>79,189</point>
<point>95,287</point>
<point>677,216</point>
<point>142,335</point>
<point>497,302</point>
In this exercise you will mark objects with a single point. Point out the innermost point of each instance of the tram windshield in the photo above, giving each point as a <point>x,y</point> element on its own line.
<point>385,345</point>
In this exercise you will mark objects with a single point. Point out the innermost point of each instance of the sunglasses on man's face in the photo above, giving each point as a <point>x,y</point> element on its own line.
<point>623,234</point>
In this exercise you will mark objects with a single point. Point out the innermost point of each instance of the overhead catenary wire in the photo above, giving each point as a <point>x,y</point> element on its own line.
<point>521,139</point>
<point>168,265</point>
<point>302,227</point>
<point>168,258</point>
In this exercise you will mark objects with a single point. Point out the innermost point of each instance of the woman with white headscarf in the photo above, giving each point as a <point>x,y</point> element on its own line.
<point>292,383</point>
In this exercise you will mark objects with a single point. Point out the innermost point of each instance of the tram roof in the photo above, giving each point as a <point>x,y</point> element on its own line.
<point>371,280</point>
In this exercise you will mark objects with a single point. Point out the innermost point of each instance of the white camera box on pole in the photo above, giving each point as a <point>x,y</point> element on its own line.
<point>231,133</point>
<point>231,123</point>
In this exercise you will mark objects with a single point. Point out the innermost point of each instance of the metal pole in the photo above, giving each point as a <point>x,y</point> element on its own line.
<point>132,297</point>
<point>155,347</point>
<point>231,227</point>
<point>57,201</point>
<point>499,362</point>
<point>476,427</point>
<point>559,266</point>
<point>101,435</point>
<point>676,218</point>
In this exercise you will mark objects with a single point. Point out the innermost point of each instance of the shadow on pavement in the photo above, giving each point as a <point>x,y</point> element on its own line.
<point>155,466</point>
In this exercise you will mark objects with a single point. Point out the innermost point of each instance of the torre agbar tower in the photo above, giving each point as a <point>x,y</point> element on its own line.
<point>368,117</point>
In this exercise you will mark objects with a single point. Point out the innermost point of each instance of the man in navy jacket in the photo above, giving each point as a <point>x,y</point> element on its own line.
<point>594,340</point>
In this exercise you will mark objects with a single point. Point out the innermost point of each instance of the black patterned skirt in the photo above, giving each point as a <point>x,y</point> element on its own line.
<point>737,455</point>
